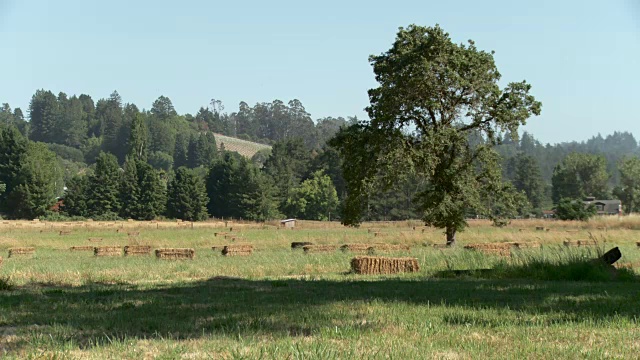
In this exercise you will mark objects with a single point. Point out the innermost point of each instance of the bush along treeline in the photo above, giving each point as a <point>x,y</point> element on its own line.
<point>117,161</point>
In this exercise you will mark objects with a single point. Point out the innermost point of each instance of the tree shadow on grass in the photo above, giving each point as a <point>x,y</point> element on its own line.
<point>88,315</point>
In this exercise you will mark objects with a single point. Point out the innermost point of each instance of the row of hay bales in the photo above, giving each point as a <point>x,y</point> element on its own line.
<point>309,247</point>
<point>501,249</point>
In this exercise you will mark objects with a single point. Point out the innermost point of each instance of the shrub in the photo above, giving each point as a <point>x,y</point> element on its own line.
<point>573,209</point>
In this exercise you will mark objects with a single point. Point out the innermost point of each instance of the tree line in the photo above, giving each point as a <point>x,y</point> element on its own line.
<point>116,160</point>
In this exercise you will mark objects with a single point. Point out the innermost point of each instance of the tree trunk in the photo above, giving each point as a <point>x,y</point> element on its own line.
<point>451,236</point>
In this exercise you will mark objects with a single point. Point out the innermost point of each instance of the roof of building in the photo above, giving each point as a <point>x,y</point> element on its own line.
<point>609,206</point>
<point>286,221</point>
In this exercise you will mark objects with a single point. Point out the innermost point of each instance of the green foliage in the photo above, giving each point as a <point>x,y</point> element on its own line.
<point>161,161</point>
<point>129,189</point>
<point>313,199</point>
<point>39,183</point>
<point>44,112</point>
<point>574,209</point>
<point>527,178</point>
<point>629,190</point>
<point>13,149</point>
<point>142,193</point>
<point>103,197</point>
<point>187,196</point>
<point>138,136</point>
<point>580,175</point>
<point>75,198</point>
<point>180,151</point>
<point>287,165</point>
<point>67,152</point>
<point>433,94</point>
<point>237,189</point>
<point>110,115</point>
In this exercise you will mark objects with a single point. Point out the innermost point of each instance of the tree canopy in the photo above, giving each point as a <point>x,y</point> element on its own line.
<point>432,94</point>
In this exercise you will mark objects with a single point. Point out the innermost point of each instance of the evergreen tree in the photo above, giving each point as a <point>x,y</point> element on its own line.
<point>527,178</point>
<point>153,196</point>
<point>109,113</point>
<point>287,165</point>
<point>75,198</point>
<point>138,139</point>
<point>129,189</point>
<point>13,149</point>
<point>180,151</point>
<point>44,113</point>
<point>187,196</point>
<point>40,182</point>
<point>104,184</point>
<point>193,157</point>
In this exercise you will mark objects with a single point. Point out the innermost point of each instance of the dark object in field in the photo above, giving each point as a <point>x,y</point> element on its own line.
<point>372,265</point>
<point>95,239</point>
<point>137,250</point>
<point>65,232</point>
<point>539,228</point>
<point>319,248</point>
<point>177,253</point>
<point>638,244</point>
<point>299,244</point>
<point>237,250</point>
<point>82,248</point>
<point>107,251</point>
<point>219,233</point>
<point>133,233</point>
<point>611,256</point>
<point>22,251</point>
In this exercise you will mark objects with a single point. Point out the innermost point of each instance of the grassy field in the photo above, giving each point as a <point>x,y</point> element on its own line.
<point>283,304</point>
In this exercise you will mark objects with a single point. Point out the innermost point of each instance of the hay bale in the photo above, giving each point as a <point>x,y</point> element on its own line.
<point>175,254</point>
<point>107,251</point>
<point>137,250</point>
<point>500,249</point>
<point>133,233</point>
<point>390,247</point>
<point>300,244</point>
<point>319,248</point>
<point>237,250</point>
<point>22,251</point>
<point>356,247</point>
<point>94,239</point>
<point>580,243</point>
<point>65,232</point>
<point>371,265</point>
<point>82,248</point>
<point>539,228</point>
<point>219,233</point>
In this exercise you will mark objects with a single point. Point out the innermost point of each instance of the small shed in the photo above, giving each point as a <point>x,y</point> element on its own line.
<point>288,223</point>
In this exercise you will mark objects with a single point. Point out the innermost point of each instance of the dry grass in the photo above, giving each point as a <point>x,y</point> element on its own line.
<point>319,248</point>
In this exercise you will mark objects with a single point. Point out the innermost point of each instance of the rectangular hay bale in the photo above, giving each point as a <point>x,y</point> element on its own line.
<point>82,248</point>
<point>94,239</point>
<point>137,250</point>
<point>65,232</point>
<point>133,233</point>
<point>300,244</point>
<point>372,265</point>
<point>175,253</point>
<point>22,251</point>
<point>319,248</point>
<point>237,250</point>
<point>107,251</point>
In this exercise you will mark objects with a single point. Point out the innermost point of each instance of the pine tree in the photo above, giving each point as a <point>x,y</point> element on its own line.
<point>187,196</point>
<point>40,182</point>
<point>44,112</point>
<point>180,151</point>
<point>153,197</point>
<point>104,184</point>
<point>13,149</point>
<point>138,139</point>
<point>75,198</point>
<point>129,189</point>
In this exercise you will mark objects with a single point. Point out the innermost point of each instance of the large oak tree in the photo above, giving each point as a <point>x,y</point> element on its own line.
<point>432,94</point>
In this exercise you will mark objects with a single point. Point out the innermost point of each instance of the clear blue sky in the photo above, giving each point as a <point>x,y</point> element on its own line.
<point>582,56</point>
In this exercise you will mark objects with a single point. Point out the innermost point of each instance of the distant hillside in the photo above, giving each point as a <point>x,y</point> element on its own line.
<point>243,147</point>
